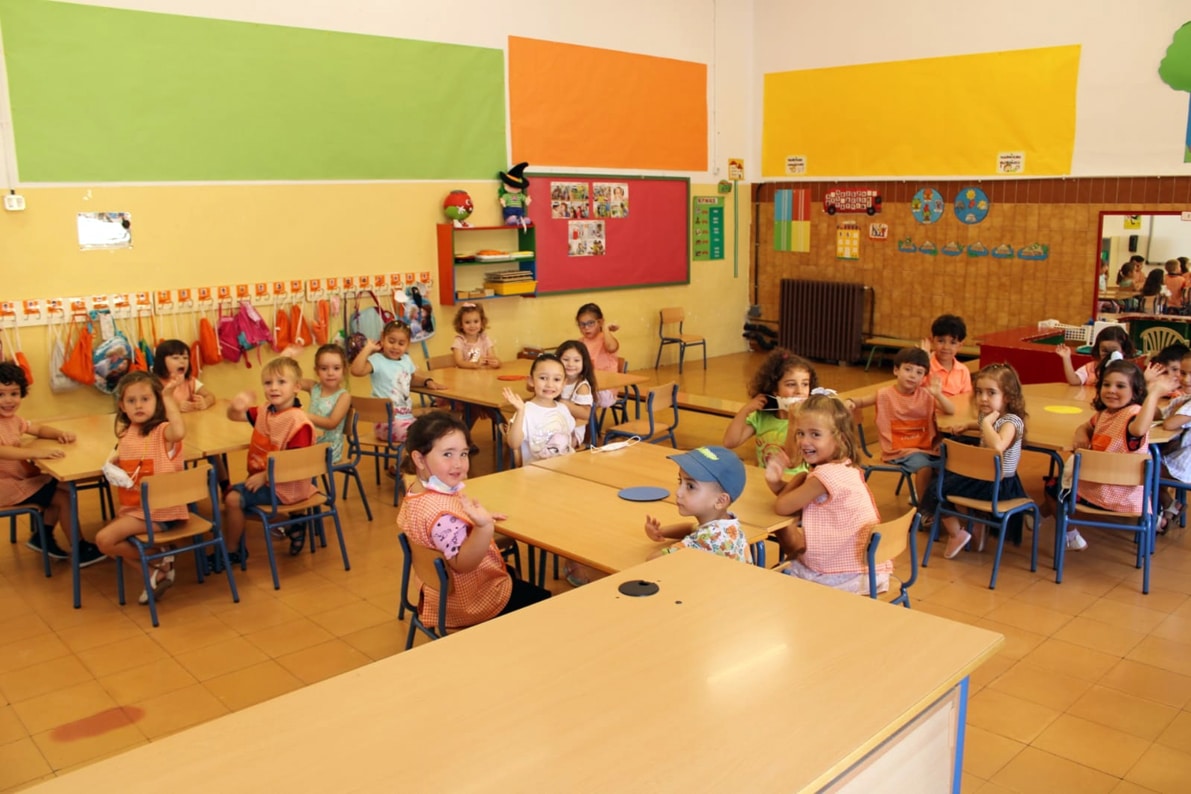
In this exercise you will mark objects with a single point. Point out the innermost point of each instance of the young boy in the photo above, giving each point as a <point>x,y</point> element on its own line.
<point>281,425</point>
<point>906,418</point>
<point>710,479</point>
<point>947,334</point>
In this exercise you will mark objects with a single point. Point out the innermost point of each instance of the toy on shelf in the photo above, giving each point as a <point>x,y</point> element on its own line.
<point>458,207</point>
<point>514,201</point>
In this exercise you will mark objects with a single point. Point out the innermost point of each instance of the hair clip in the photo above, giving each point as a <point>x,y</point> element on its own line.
<point>1115,356</point>
<point>467,306</point>
<point>824,392</point>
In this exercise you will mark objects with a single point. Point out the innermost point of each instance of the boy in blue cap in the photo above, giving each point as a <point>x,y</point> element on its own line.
<point>710,479</point>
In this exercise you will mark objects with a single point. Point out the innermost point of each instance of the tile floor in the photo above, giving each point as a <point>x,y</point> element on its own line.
<point>1091,691</point>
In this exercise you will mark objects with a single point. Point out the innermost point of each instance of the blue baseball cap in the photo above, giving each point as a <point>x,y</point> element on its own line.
<point>714,464</point>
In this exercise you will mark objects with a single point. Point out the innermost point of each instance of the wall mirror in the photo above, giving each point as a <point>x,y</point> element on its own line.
<point>1155,236</point>
<point>104,230</point>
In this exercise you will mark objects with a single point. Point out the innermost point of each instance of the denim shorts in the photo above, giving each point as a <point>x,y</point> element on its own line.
<point>916,461</point>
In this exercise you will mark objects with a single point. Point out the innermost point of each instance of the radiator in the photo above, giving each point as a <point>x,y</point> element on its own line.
<point>822,320</point>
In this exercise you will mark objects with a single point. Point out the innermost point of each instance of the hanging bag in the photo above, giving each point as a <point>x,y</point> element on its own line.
<point>113,357</point>
<point>79,365</point>
<point>59,383</point>
<point>282,338</point>
<point>366,325</point>
<point>322,322</point>
<point>302,334</point>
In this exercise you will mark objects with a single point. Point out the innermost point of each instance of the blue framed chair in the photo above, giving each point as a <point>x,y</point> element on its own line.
<point>1110,468</point>
<point>620,408</point>
<point>431,568</point>
<point>979,463</point>
<point>676,316</point>
<point>650,428</point>
<point>197,534</point>
<point>294,465</point>
<point>905,476</point>
<point>370,412</point>
<point>13,512</point>
<point>886,542</point>
<point>350,465</point>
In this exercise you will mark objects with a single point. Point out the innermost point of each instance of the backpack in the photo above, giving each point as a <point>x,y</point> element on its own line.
<point>59,382</point>
<point>112,359</point>
<point>282,338</point>
<point>78,365</point>
<point>241,332</point>
<point>366,325</point>
<point>208,344</point>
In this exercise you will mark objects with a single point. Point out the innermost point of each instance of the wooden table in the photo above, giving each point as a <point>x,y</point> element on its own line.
<point>483,387</point>
<point>731,678</point>
<point>647,464</point>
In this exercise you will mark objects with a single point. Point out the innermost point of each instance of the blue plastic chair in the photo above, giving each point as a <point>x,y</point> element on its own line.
<point>979,463</point>
<point>888,541</point>
<point>350,465</point>
<point>14,512</point>
<point>430,567</point>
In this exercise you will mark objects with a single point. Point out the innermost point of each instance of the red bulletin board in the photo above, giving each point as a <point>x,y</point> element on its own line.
<point>649,247</point>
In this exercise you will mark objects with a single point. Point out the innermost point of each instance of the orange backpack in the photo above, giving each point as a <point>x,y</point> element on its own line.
<point>207,344</point>
<point>302,333</point>
<point>322,322</point>
<point>282,338</point>
<point>79,365</point>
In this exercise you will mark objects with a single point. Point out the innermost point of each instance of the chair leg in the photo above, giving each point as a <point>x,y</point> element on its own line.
<point>681,355</point>
<point>347,566</point>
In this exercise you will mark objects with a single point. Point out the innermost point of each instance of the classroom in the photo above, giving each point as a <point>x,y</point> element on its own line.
<point>163,160</point>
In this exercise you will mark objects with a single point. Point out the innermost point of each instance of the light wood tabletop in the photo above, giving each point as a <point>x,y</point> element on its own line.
<point>647,464</point>
<point>575,518</point>
<point>484,387</point>
<point>210,432</point>
<point>730,678</point>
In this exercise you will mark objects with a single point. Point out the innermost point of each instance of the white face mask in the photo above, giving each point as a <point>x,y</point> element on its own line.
<point>784,403</point>
<point>437,485</point>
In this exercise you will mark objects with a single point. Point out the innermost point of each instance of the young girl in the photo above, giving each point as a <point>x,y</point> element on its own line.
<point>329,400</point>
<point>1154,292</point>
<point>837,508</point>
<point>601,346</point>
<point>1113,339</point>
<point>436,515</point>
<point>1001,421</point>
<point>172,360</point>
<point>1176,454</point>
<point>578,389</point>
<point>393,372</point>
<point>20,481</point>
<point>472,348</point>
<point>150,430</point>
<point>783,380</point>
<point>541,428</point>
<point>1175,283</point>
<point>1125,410</point>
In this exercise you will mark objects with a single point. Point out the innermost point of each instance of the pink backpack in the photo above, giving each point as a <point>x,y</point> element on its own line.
<point>241,332</point>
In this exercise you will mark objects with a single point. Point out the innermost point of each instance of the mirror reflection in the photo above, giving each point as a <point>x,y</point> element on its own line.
<point>1143,264</point>
<point>104,230</point>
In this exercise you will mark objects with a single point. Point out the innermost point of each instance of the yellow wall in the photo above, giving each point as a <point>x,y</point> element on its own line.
<point>225,234</point>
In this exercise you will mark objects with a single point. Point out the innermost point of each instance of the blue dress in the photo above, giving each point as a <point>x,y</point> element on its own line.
<point>322,405</point>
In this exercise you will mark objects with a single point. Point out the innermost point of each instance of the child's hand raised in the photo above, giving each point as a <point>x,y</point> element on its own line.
<point>477,512</point>
<point>775,467</point>
<point>613,327</point>
<point>244,400</point>
<point>758,403</point>
<point>653,528</point>
<point>513,399</point>
<point>936,386</point>
<point>1063,351</point>
<point>1163,383</point>
<point>925,344</point>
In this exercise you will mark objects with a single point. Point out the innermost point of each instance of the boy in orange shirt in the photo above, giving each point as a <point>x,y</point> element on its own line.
<point>906,419</point>
<point>947,334</point>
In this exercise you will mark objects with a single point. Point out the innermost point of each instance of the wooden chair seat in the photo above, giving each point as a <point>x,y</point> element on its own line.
<point>195,525</point>
<point>987,506</point>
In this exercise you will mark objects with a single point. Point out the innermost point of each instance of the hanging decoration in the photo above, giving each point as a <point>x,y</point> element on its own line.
<point>927,205</point>
<point>971,205</point>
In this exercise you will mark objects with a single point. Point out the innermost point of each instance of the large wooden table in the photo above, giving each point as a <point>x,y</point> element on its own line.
<point>483,387</point>
<point>647,464</point>
<point>730,678</point>
<point>208,433</point>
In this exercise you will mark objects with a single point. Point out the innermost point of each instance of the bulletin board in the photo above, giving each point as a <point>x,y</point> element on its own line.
<point>613,232</point>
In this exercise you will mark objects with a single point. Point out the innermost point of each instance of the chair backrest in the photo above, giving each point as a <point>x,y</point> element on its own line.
<point>177,488</point>
<point>895,536</point>
<point>423,560</point>
<point>973,462</point>
<point>663,397</point>
<point>675,315</point>
<point>351,432</point>
<point>622,365</point>
<point>373,410</point>
<point>1155,339</point>
<point>304,463</point>
<point>1112,468</point>
<point>445,361</point>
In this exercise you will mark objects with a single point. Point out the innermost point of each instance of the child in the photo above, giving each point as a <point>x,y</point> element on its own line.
<point>838,510</point>
<point>393,372</point>
<point>281,425</point>
<point>906,420</point>
<point>783,380</point>
<point>1175,283</point>
<point>1111,339</point>
<point>947,334</point>
<point>172,360</point>
<point>1125,411</point>
<point>329,400</point>
<point>1170,359</point>
<point>472,348</point>
<point>20,481</point>
<point>150,430</point>
<point>710,479</point>
<point>1000,420</point>
<point>541,428</point>
<point>1154,292</point>
<point>578,389</point>
<point>1176,454</point>
<point>436,515</point>
<point>601,346</point>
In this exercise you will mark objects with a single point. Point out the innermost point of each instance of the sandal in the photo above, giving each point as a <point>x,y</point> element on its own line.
<point>160,580</point>
<point>297,540</point>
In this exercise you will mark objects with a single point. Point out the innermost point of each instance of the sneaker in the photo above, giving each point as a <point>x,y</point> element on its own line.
<point>957,543</point>
<point>52,548</point>
<point>1075,541</point>
<point>160,581</point>
<point>89,554</point>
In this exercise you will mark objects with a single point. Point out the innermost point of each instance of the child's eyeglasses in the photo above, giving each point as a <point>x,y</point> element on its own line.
<point>587,323</point>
